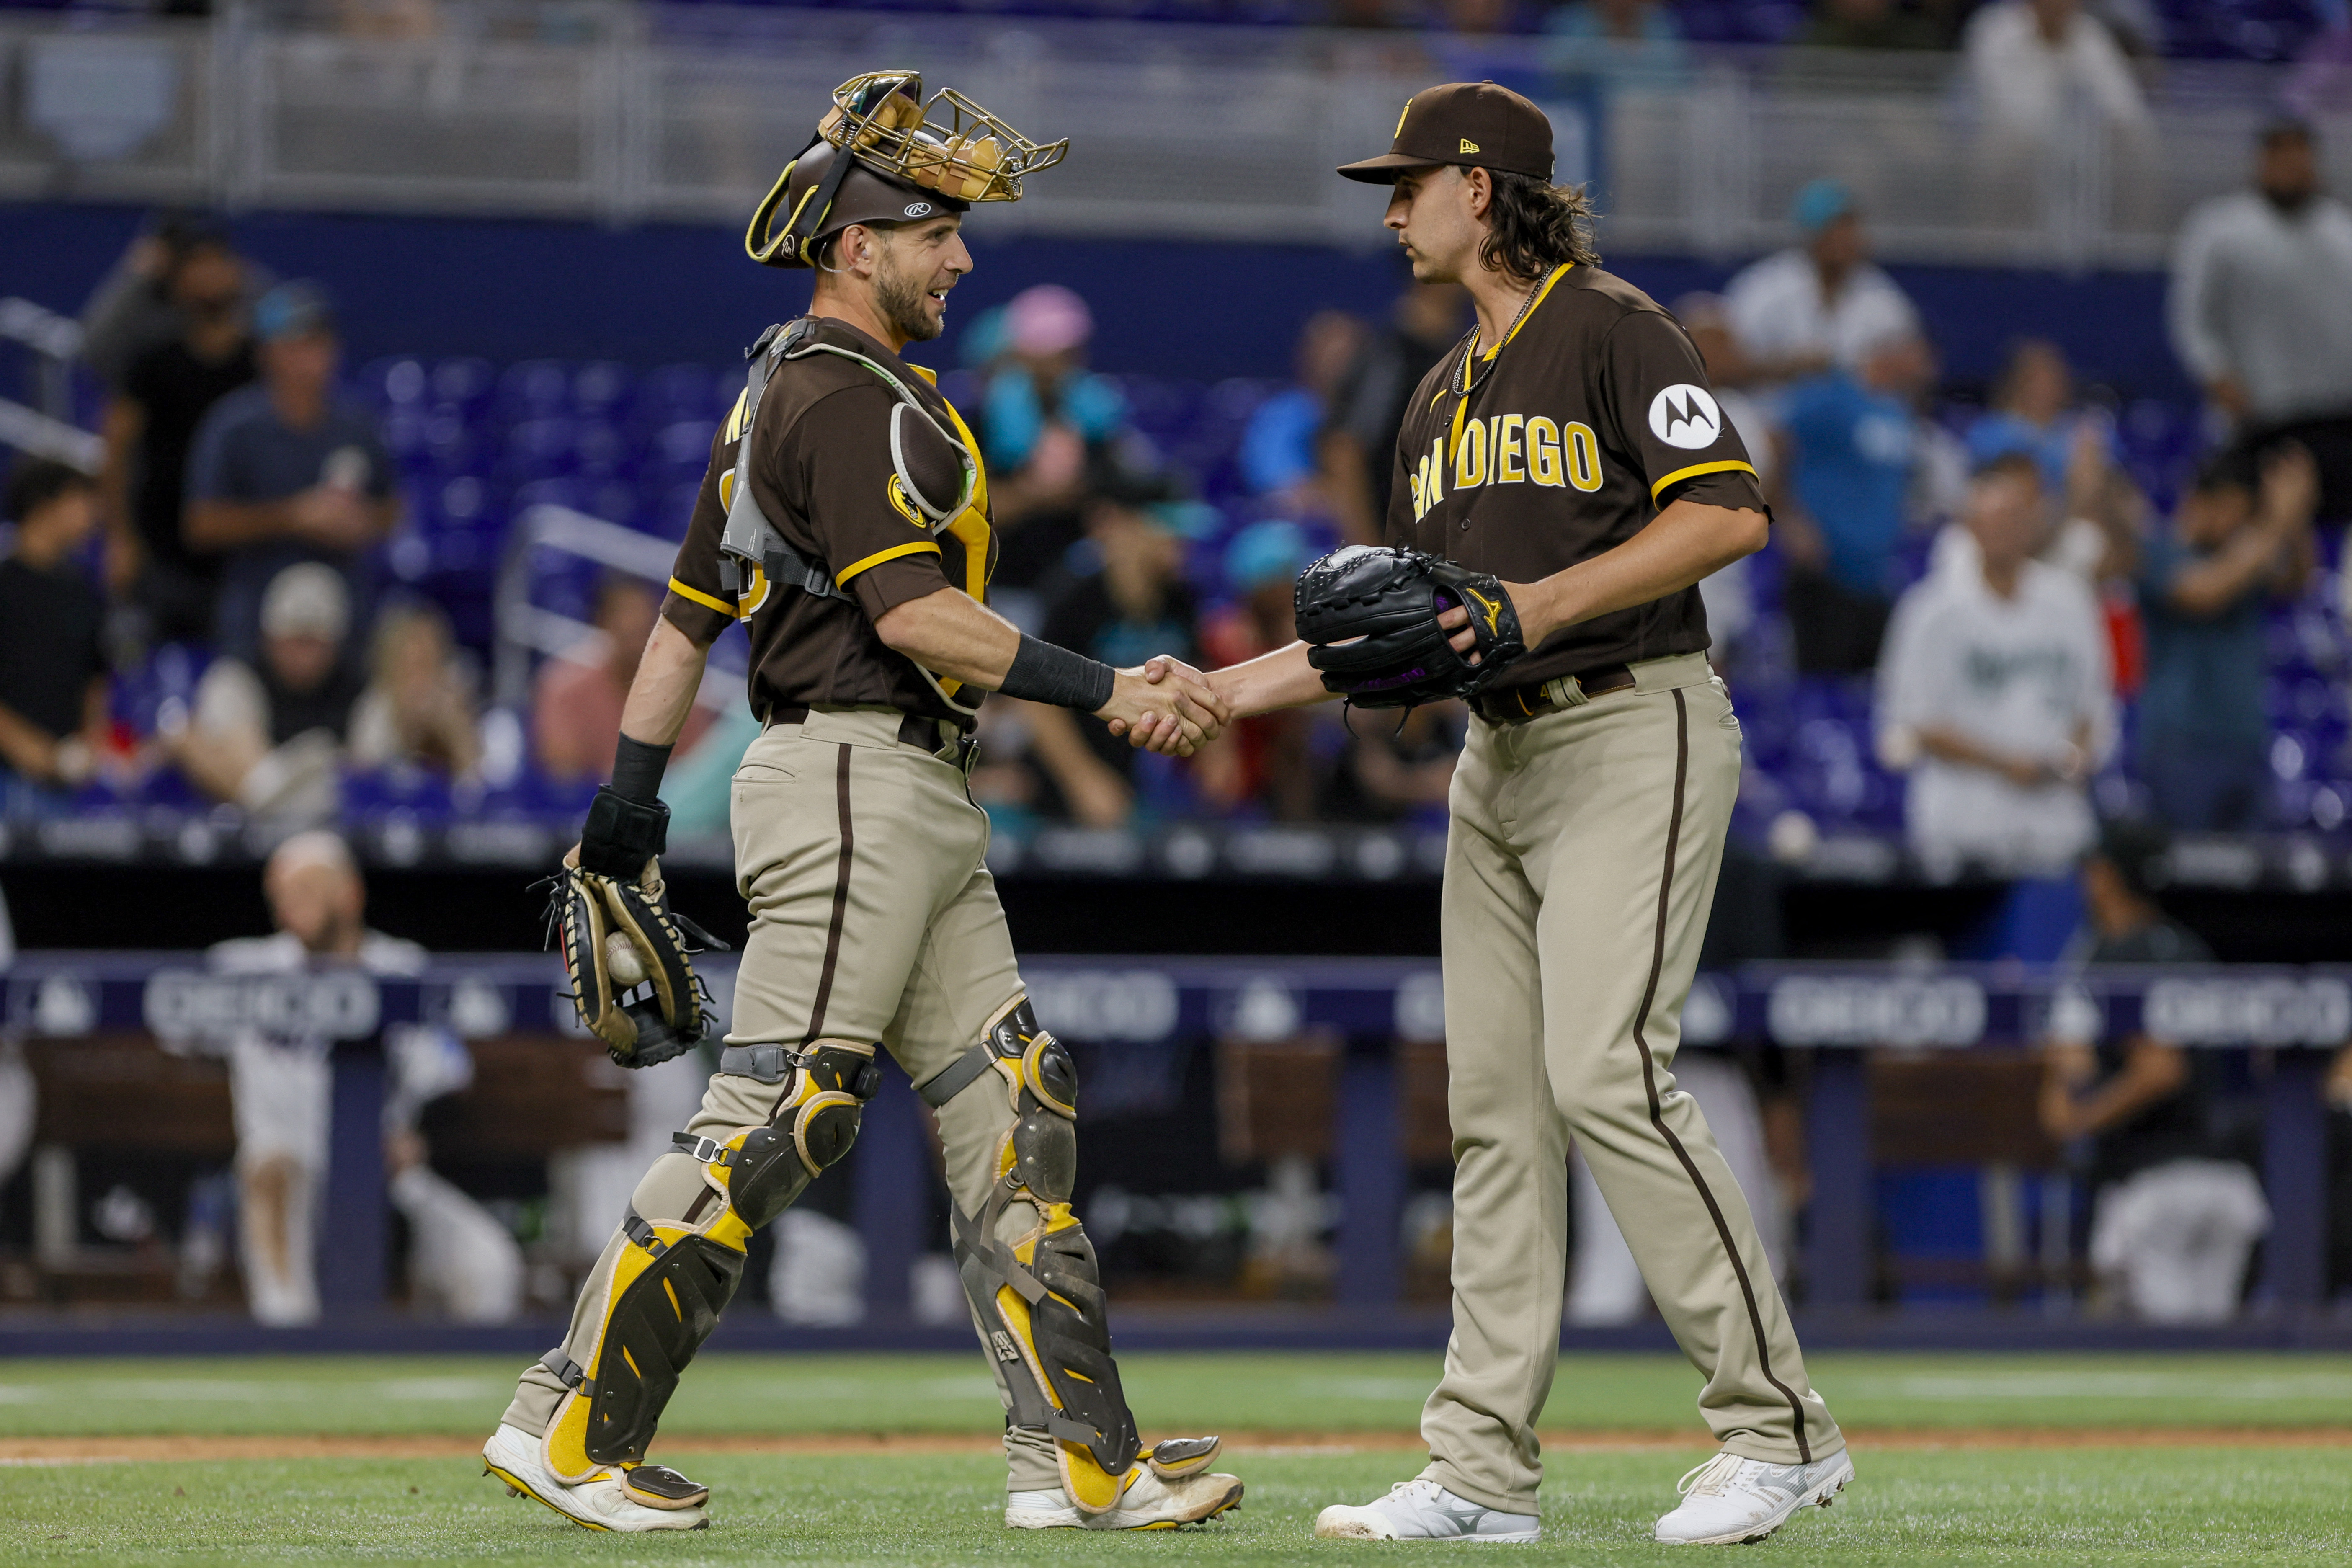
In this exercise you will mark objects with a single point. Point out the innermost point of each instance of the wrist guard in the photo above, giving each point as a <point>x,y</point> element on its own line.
<point>621,835</point>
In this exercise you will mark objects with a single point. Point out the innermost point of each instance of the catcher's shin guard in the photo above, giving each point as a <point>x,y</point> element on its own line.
<point>672,1278</point>
<point>1040,1296</point>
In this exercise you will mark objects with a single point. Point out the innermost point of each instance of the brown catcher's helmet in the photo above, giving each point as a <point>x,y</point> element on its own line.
<point>879,157</point>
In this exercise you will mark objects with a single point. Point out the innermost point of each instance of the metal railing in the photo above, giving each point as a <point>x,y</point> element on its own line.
<point>526,629</point>
<point>52,343</point>
<point>626,113</point>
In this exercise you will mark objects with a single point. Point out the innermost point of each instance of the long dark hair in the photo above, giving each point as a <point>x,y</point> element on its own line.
<point>1534,226</point>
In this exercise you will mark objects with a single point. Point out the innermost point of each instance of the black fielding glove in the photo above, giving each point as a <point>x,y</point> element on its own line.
<point>1369,617</point>
<point>621,835</point>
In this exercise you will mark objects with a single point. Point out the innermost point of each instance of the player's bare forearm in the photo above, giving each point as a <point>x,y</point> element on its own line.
<point>1282,678</point>
<point>953,635</point>
<point>1684,543</point>
<point>662,695</point>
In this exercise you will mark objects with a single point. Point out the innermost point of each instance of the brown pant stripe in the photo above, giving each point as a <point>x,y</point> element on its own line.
<point>1650,1083</point>
<point>840,901</point>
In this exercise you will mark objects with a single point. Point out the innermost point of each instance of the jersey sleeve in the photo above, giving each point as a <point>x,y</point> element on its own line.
<point>1669,420</point>
<point>873,539</point>
<point>697,603</point>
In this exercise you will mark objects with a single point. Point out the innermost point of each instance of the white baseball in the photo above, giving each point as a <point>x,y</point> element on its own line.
<point>622,961</point>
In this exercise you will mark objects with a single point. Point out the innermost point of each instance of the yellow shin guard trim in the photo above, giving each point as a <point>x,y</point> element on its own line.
<point>565,1447</point>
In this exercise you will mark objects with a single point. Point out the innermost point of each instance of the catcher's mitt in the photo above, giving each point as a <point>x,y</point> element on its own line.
<point>626,952</point>
<point>1370,615</point>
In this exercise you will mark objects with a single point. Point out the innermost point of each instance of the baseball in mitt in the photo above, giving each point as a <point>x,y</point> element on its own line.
<point>628,955</point>
<point>1369,616</point>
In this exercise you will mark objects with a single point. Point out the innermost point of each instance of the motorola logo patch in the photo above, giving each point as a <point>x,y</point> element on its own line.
<point>1685,415</point>
<point>917,209</point>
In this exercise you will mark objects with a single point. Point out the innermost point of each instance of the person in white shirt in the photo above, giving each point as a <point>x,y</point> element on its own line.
<point>2033,62</point>
<point>1995,693</point>
<point>1821,303</point>
<point>282,1091</point>
<point>2261,309</point>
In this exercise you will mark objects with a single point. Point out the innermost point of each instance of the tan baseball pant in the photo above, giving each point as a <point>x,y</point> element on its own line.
<point>1578,872</point>
<point>873,917</point>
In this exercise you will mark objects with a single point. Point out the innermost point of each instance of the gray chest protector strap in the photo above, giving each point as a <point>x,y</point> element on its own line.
<point>753,541</point>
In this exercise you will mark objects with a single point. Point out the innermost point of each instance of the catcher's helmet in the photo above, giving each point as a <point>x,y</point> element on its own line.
<point>878,157</point>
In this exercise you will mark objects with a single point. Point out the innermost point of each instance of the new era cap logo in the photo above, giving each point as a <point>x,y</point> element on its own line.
<point>1468,145</point>
<point>1685,415</point>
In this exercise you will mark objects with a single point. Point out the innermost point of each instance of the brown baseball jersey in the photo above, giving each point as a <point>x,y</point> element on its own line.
<point>1561,443</point>
<point>822,472</point>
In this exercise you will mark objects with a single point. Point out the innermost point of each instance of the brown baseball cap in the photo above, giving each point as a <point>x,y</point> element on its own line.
<point>1475,125</point>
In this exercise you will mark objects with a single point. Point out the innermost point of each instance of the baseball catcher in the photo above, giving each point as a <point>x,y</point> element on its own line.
<point>844,520</point>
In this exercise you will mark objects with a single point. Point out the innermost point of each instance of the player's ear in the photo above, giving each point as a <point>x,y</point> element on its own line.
<point>1482,190</point>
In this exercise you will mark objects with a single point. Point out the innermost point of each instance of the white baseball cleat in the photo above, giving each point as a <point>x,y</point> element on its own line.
<point>1148,1502</point>
<point>1729,1501</point>
<point>597,1503</point>
<point>1420,1509</point>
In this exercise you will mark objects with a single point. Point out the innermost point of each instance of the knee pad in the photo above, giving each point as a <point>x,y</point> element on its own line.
<point>761,1170</point>
<point>1040,1297</point>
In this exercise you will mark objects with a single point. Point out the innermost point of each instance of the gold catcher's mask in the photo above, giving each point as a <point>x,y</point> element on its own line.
<point>883,154</point>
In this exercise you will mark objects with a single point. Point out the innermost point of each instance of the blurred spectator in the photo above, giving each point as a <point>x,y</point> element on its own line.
<point>52,660</point>
<point>575,706</point>
<point>1279,456</point>
<point>2174,1217</point>
<point>1046,426</point>
<point>2262,309</point>
<point>1729,599</point>
<point>149,428</point>
<point>268,736</point>
<point>132,311</point>
<point>2035,62</point>
<point>2241,537</point>
<point>1360,443</point>
<point>1268,758</point>
<point>1388,773</point>
<point>2033,412</point>
<point>1847,447</point>
<point>417,707</point>
<point>1822,303</point>
<point>1994,693</point>
<point>1129,602</point>
<point>281,1085</point>
<point>283,472</point>
<point>1870,25</point>
<point>1624,43</point>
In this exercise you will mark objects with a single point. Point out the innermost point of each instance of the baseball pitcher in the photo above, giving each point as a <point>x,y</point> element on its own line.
<point>1563,481</point>
<point>844,520</point>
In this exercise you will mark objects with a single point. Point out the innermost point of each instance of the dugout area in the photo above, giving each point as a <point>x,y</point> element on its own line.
<point>855,1460</point>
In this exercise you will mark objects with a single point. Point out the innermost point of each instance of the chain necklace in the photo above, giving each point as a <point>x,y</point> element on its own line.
<point>1471,362</point>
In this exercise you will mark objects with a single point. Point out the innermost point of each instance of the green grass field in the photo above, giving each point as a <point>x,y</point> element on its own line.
<point>2050,1460</point>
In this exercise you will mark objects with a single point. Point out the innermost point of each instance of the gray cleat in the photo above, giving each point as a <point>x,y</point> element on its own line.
<point>1729,1501</point>
<point>1420,1509</point>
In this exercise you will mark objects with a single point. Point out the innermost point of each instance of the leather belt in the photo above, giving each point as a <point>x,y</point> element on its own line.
<point>1518,704</point>
<point>914,730</point>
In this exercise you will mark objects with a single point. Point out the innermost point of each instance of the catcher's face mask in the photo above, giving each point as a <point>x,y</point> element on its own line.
<point>883,155</point>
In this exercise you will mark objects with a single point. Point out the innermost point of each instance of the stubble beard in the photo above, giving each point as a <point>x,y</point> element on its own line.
<point>902,304</point>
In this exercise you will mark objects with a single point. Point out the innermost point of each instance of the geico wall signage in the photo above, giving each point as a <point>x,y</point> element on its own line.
<point>2266,1010</point>
<point>1104,1005</point>
<point>1894,1010</point>
<point>184,1004</point>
